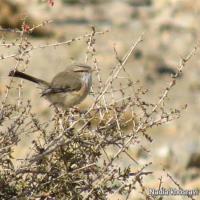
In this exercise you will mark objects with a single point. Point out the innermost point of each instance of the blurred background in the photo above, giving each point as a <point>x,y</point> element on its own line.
<point>171,29</point>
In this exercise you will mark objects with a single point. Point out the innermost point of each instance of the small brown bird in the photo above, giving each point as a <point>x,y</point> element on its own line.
<point>67,89</point>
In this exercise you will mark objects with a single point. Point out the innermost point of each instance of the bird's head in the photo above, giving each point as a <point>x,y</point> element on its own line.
<point>82,68</point>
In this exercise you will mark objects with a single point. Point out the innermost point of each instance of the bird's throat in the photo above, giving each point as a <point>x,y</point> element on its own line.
<point>87,80</point>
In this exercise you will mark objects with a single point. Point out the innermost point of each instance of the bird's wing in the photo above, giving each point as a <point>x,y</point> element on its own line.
<point>64,82</point>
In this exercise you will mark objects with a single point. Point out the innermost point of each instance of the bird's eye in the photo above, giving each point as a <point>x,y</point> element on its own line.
<point>80,70</point>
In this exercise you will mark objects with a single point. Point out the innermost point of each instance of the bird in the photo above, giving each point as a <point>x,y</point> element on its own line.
<point>67,88</point>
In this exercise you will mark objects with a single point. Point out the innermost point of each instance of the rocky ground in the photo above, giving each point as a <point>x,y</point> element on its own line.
<point>171,29</point>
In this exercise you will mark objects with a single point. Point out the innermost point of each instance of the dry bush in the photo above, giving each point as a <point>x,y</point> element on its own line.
<point>69,159</point>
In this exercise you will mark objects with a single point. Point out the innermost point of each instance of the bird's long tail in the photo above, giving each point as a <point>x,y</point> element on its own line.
<point>15,73</point>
